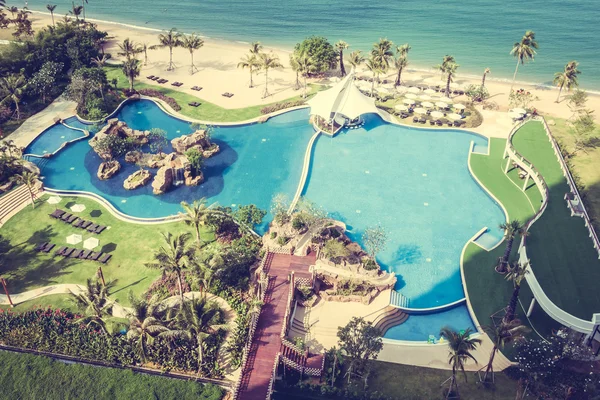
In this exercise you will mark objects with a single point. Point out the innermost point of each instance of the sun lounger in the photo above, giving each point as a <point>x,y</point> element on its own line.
<point>48,247</point>
<point>150,77</point>
<point>99,229</point>
<point>450,123</point>
<point>60,250</point>
<point>92,227</point>
<point>66,216</point>
<point>94,256</point>
<point>415,119</point>
<point>57,213</point>
<point>77,223</point>
<point>67,252</point>
<point>104,259</point>
<point>196,88</point>
<point>41,246</point>
<point>439,123</point>
<point>422,120</point>
<point>174,83</point>
<point>85,254</point>
<point>85,224</point>
<point>71,219</point>
<point>431,122</point>
<point>75,254</point>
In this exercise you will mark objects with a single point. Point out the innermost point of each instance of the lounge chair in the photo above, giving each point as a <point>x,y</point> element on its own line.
<point>104,259</point>
<point>48,247</point>
<point>77,224</point>
<point>66,216</point>
<point>72,219</point>
<point>75,253</point>
<point>57,213</point>
<point>85,254</point>
<point>60,250</point>
<point>197,88</point>
<point>456,124</point>
<point>42,246</point>
<point>193,104</point>
<point>92,227</point>
<point>150,77</point>
<point>415,119</point>
<point>99,229</point>
<point>431,122</point>
<point>450,123</point>
<point>67,252</point>
<point>175,84</point>
<point>94,256</point>
<point>85,224</point>
<point>439,123</point>
<point>422,120</point>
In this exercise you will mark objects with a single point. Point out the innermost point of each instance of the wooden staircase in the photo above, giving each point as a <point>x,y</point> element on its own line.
<point>389,317</point>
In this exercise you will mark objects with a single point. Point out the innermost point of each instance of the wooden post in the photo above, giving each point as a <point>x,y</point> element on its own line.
<point>6,291</point>
<point>101,276</point>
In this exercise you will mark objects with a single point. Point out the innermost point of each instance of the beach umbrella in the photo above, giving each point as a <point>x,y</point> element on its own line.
<point>427,104</point>
<point>413,89</point>
<point>441,104</point>
<point>420,110</point>
<point>383,90</point>
<point>410,96</point>
<point>401,107</point>
<point>409,101</point>
<point>334,79</point>
<point>74,239</point>
<point>459,106</point>
<point>437,114</point>
<point>425,97</point>
<point>91,243</point>
<point>429,91</point>
<point>454,116</point>
<point>388,85</point>
<point>515,115</point>
<point>519,110</point>
<point>54,200</point>
<point>78,208</point>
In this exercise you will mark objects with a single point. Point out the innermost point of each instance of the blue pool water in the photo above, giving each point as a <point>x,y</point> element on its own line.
<point>75,123</point>
<point>416,184</point>
<point>419,327</point>
<point>51,139</point>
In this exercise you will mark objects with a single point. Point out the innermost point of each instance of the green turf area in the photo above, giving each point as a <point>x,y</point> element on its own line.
<point>131,245</point>
<point>207,111</point>
<point>61,301</point>
<point>25,376</point>
<point>559,247</point>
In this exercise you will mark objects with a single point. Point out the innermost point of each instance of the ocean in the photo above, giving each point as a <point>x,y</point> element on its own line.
<point>478,33</point>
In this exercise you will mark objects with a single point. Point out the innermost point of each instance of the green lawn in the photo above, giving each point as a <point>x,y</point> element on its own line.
<point>131,245</point>
<point>561,252</point>
<point>25,376</point>
<point>207,111</point>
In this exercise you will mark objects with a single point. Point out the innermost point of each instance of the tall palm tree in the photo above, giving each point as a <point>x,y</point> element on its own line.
<point>340,47</point>
<point>374,67</point>
<point>268,61</point>
<point>382,55</point>
<point>51,8</point>
<point>460,348</point>
<point>567,78</point>
<point>207,266</point>
<point>306,66</point>
<point>485,73</point>
<point>100,61</point>
<point>144,325</point>
<point>11,91</point>
<point>13,10</point>
<point>83,3</point>
<point>145,47</point>
<point>401,61</point>
<point>129,49</point>
<point>448,67</point>
<point>255,48</point>
<point>524,50</point>
<point>501,335</point>
<point>76,11</point>
<point>192,43</point>
<point>131,68</point>
<point>516,274</point>
<point>356,58</point>
<point>29,179</point>
<point>251,62</point>
<point>511,230</point>
<point>174,257</point>
<point>95,303</point>
<point>195,215</point>
<point>170,39</point>
<point>295,67</point>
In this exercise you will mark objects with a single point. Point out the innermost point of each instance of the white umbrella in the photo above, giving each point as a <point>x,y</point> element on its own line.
<point>74,239</point>
<point>459,106</point>
<point>519,110</point>
<point>409,101</point>
<point>425,97</point>
<point>334,79</point>
<point>427,104</point>
<point>437,114</point>
<point>78,208</point>
<point>429,91</point>
<point>388,85</point>
<point>54,200</point>
<point>401,107</point>
<point>413,89</point>
<point>410,96</point>
<point>441,104</point>
<point>91,243</point>
<point>454,116</point>
<point>420,110</point>
<point>515,115</point>
<point>383,90</point>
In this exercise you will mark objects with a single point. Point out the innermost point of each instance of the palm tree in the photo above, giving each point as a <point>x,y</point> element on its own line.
<point>255,48</point>
<point>100,61</point>
<point>192,43</point>
<point>251,62</point>
<point>295,67</point>
<point>83,2</point>
<point>268,61</point>
<point>76,11</point>
<point>129,49</point>
<point>501,335</point>
<point>516,274</point>
<point>131,68</point>
<point>29,179</point>
<point>51,8</point>
<point>170,39</point>
<point>382,55</point>
<point>523,51</point>
<point>340,47</point>
<point>95,303</point>
<point>401,61</point>
<point>375,69</point>
<point>145,49</point>
<point>144,326</point>
<point>460,348</point>
<point>448,67</point>
<point>11,90</point>
<point>356,58</point>
<point>306,66</point>
<point>195,215</point>
<point>195,320</point>
<point>485,72</point>
<point>174,257</point>
<point>567,78</point>
<point>511,230</point>
<point>13,10</point>
<point>207,266</point>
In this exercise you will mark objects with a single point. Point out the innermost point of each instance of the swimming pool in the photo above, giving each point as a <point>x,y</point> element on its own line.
<point>52,139</point>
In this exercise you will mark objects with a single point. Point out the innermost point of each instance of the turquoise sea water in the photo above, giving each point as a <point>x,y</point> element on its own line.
<point>479,33</point>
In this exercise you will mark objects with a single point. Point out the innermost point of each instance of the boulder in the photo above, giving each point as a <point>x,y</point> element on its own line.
<point>211,151</point>
<point>133,156</point>
<point>137,179</point>
<point>193,180</point>
<point>163,180</point>
<point>198,139</point>
<point>6,186</point>
<point>108,169</point>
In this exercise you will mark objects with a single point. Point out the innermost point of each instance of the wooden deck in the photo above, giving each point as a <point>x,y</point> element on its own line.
<point>267,340</point>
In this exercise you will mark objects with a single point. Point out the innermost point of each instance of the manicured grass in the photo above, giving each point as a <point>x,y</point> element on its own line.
<point>25,376</point>
<point>61,301</point>
<point>561,252</point>
<point>207,111</point>
<point>131,245</point>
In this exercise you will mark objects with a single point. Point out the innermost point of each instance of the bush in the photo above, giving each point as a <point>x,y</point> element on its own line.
<point>298,223</point>
<point>320,50</point>
<point>281,106</point>
<point>282,240</point>
<point>273,235</point>
<point>167,286</point>
<point>370,265</point>
<point>159,95</point>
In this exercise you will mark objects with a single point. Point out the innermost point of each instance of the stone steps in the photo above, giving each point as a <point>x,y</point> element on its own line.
<point>12,200</point>
<point>389,317</point>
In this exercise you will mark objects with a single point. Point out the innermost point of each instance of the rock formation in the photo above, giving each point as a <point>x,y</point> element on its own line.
<point>108,169</point>
<point>163,180</point>
<point>137,179</point>
<point>133,156</point>
<point>198,140</point>
<point>191,180</point>
<point>115,127</point>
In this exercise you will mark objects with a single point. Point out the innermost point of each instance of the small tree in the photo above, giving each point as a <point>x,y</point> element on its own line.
<point>320,50</point>
<point>511,230</point>
<point>460,346</point>
<point>29,179</point>
<point>521,98</point>
<point>195,215</point>
<point>112,146</point>
<point>131,69</point>
<point>44,80</point>
<point>477,93</point>
<point>334,249</point>
<point>157,140</point>
<point>192,43</point>
<point>501,335</point>
<point>51,8</point>
<point>170,39</point>
<point>577,101</point>
<point>195,158</point>
<point>375,239</point>
<point>279,208</point>
<point>249,215</point>
<point>582,129</point>
<point>361,342</point>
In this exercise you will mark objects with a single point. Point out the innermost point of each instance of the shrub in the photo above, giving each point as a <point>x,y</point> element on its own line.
<point>273,235</point>
<point>281,106</point>
<point>320,50</point>
<point>298,223</point>
<point>159,95</point>
<point>370,265</point>
<point>167,286</point>
<point>282,240</point>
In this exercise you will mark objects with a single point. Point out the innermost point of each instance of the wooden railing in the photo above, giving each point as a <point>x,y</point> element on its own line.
<point>273,376</point>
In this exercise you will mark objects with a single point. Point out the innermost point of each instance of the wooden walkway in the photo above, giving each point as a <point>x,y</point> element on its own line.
<point>267,340</point>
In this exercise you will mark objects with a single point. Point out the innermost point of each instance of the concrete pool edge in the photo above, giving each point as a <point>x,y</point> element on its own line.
<point>86,134</point>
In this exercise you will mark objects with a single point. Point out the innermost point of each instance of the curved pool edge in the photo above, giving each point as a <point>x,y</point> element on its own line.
<point>86,134</point>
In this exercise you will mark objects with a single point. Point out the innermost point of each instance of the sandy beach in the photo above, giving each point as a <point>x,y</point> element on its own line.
<point>218,73</point>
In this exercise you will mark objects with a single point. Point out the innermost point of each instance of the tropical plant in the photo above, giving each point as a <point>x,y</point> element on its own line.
<point>51,8</point>
<point>511,230</point>
<point>195,216</point>
<point>251,62</point>
<point>356,58</point>
<point>375,69</point>
<point>340,46</point>
<point>375,238</point>
<point>516,274</point>
<point>448,67</point>
<point>334,249</point>
<point>306,66</point>
<point>460,346</point>
<point>501,335</point>
<point>567,78</point>
<point>279,208</point>
<point>382,54</point>
<point>361,342</point>
<point>145,47</point>
<point>131,69</point>
<point>320,50</point>
<point>524,50</point>
<point>45,79</point>
<point>100,62</point>
<point>174,257</point>
<point>76,11</point>
<point>294,56</point>
<point>29,179</point>
<point>129,49</point>
<point>255,48</point>
<point>485,73</point>
<point>268,61</point>
<point>401,61</point>
<point>170,39</point>
<point>207,266</point>
<point>248,216</point>
<point>577,100</point>
<point>94,302</point>
<point>11,91</point>
<point>144,325</point>
<point>192,43</point>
